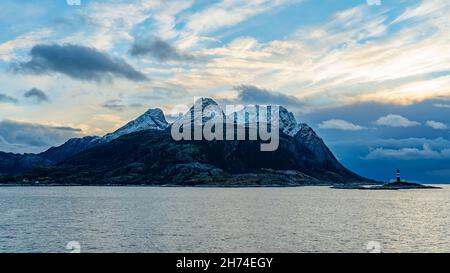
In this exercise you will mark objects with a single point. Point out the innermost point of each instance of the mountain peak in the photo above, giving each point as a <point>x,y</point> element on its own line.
<point>152,119</point>
<point>210,110</point>
<point>154,112</point>
<point>204,102</point>
<point>208,101</point>
<point>287,122</point>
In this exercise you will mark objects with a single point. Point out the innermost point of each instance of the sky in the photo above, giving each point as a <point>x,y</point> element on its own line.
<point>372,77</point>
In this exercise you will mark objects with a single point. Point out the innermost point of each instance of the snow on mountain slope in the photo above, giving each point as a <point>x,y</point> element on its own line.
<point>289,125</point>
<point>210,111</point>
<point>286,119</point>
<point>152,119</point>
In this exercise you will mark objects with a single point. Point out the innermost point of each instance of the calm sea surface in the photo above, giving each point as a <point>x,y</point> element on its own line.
<point>140,219</point>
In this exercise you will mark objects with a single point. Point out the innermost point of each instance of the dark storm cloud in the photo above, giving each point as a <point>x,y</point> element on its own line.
<point>78,62</point>
<point>7,99</point>
<point>160,50</point>
<point>37,94</point>
<point>23,137</point>
<point>249,94</point>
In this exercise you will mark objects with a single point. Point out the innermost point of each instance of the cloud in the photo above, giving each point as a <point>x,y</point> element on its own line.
<point>340,124</point>
<point>119,105</point>
<point>160,50</point>
<point>166,16</point>
<point>353,52</point>
<point>249,94</point>
<point>229,13</point>
<point>37,94</point>
<point>22,137</point>
<point>424,9</point>
<point>115,105</point>
<point>436,125</point>
<point>355,55</point>
<point>7,99</point>
<point>439,143</point>
<point>442,105</point>
<point>78,62</point>
<point>407,93</point>
<point>395,121</point>
<point>9,49</point>
<point>408,153</point>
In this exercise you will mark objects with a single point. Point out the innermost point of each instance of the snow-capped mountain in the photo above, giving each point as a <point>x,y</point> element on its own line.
<point>289,125</point>
<point>210,110</point>
<point>152,119</point>
<point>286,120</point>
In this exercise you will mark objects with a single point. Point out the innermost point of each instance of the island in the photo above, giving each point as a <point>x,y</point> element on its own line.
<point>144,153</point>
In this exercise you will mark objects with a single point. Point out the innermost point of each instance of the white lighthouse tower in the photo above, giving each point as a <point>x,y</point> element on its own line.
<point>398,176</point>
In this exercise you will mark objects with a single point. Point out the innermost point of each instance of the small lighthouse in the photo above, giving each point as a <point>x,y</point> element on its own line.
<point>398,176</point>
